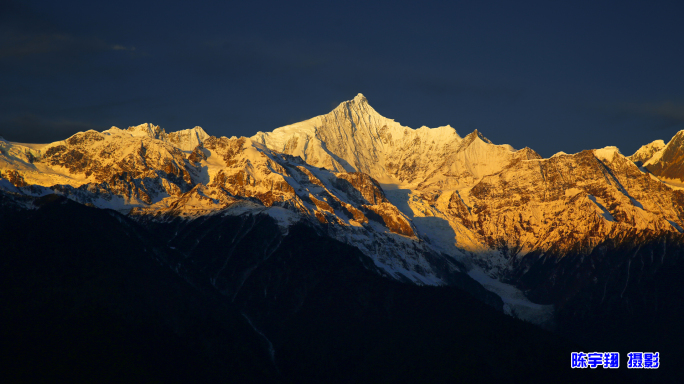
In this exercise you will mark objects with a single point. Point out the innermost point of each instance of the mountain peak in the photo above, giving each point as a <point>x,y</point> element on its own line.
<point>647,152</point>
<point>147,129</point>
<point>360,98</point>
<point>476,134</point>
<point>359,104</point>
<point>665,161</point>
<point>607,153</point>
<point>679,134</point>
<point>184,139</point>
<point>355,109</point>
<point>187,139</point>
<point>676,141</point>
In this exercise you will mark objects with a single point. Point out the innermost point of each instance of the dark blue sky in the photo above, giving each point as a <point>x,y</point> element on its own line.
<point>554,77</point>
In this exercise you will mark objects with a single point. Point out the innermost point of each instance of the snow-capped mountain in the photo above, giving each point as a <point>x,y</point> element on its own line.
<point>140,171</point>
<point>354,137</point>
<point>117,167</point>
<point>492,196</point>
<point>425,205</point>
<point>270,222</point>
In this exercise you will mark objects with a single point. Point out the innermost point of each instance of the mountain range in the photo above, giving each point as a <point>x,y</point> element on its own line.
<point>351,207</point>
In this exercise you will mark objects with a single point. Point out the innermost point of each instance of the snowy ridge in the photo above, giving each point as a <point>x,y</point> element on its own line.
<point>185,140</point>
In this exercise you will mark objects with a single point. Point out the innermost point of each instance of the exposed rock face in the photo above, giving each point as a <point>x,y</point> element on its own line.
<point>363,188</point>
<point>392,218</point>
<point>568,204</point>
<point>198,154</point>
<point>248,172</point>
<point>13,177</point>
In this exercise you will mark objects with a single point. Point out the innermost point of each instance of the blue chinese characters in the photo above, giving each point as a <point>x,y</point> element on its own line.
<point>595,359</point>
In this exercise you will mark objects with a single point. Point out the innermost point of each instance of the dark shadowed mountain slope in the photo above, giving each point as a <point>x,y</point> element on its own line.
<point>85,300</point>
<point>88,295</point>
